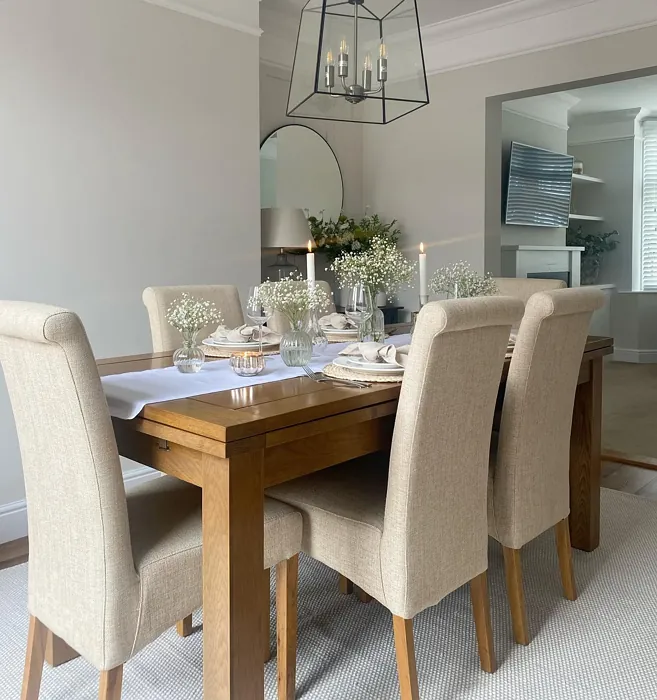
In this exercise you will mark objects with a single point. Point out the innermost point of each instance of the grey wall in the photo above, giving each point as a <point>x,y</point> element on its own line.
<point>439,170</point>
<point>129,158</point>
<point>516,127</point>
<point>613,161</point>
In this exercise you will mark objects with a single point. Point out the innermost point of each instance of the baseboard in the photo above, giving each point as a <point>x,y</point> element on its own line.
<point>636,356</point>
<point>13,516</point>
<point>642,461</point>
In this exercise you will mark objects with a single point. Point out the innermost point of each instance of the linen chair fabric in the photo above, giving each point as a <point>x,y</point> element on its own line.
<point>524,287</point>
<point>529,489</point>
<point>413,535</point>
<point>158,299</point>
<point>107,573</point>
<point>279,323</point>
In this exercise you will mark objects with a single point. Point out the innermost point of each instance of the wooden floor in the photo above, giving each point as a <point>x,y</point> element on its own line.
<point>620,477</point>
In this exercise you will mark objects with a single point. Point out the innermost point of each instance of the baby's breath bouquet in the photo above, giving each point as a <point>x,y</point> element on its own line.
<point>189,315</point>
<point>460,281</point>
<point>382,268</point>
<point>294,298</point>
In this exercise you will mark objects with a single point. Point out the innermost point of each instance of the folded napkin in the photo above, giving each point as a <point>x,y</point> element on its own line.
<point>378,352</point>
<point>244,334</point>
<point>338,321</point>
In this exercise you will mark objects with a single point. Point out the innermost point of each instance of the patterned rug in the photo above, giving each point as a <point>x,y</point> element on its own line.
<point>601,647</point>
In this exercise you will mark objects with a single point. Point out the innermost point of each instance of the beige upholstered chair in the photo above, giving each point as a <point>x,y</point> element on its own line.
<point>412,535</point>
<point>107,574</point>
<point>279,324</point>
<point>158,299</point>
<point>529,475</point>
<point>524,287</point>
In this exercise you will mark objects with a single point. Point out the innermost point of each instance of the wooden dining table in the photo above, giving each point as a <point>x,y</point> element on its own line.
<point>234,444</point>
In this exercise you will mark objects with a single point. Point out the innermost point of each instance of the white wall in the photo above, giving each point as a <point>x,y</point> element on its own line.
<point>439,170</point>
<point>129,158</point>
<point>517,127</point>
<point>634,326</point>
<point>612,161</point>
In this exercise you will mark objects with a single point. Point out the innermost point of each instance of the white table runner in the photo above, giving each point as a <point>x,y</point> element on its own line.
<point>127,394</point>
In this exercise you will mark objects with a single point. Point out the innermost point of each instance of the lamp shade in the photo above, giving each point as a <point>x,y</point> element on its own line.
<point>284,228</point>
<point>358,61</point>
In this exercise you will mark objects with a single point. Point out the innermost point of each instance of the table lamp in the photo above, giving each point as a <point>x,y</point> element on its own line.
<point>281,229</point>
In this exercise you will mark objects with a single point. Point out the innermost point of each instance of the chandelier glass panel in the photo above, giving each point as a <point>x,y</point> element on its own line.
<point>358,61</point>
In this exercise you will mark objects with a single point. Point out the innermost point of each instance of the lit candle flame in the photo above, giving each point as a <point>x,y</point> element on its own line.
<point>421,247</point>
<point>310,246</point>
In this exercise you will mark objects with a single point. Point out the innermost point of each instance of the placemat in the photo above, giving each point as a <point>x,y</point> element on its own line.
<point>338,372</point>
<point>213,351</point>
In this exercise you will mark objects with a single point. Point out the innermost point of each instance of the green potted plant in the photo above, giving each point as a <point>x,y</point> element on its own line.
<point>595,246</point>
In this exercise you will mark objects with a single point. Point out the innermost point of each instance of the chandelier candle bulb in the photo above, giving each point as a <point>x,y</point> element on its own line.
<point>424,294</point>
<point>367,73</point>
<point>382,64</point>
<point>343,60</point>
<point>330,71</point>
<point>310,265</point>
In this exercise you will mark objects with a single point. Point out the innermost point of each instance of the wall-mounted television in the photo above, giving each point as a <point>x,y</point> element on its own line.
<point>539,187</point>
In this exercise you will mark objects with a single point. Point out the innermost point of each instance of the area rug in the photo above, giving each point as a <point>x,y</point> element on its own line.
<point>630,408</point>
<point>601,647</point>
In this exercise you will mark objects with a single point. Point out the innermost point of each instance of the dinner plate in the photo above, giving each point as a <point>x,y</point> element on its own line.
<point>251,345</point>
<point>337,331</point>
<point>359,364</point>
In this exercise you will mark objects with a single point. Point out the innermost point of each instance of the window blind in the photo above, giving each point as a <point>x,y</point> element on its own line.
<point>649,207</point>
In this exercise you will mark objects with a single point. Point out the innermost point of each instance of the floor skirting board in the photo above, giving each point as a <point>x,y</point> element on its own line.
<point>636,356</point>
<point>13,516</point>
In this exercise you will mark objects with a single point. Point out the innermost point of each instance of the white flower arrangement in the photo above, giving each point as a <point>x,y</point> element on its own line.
<point>188,314</point>
<point>294,297</point>
<point>460,281</point>
<point>382,268</point>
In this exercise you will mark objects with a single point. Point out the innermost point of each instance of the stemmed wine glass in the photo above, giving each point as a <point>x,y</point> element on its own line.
<point>256,311</point>
<point>359,307</point>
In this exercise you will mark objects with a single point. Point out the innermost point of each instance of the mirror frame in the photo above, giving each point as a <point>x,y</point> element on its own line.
<point>303,126</point>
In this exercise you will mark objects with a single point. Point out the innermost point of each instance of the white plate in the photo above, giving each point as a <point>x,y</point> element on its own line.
<point>358,364</point>
<point>337,331</point>
<point>238,346</point>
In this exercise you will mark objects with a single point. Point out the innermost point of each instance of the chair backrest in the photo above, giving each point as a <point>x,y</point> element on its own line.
<point>524,287</point>
<point>158,299</point>
<point>531,478</point>
<point>279,324</point>
<point>82,580</point>
<point>435,529</point>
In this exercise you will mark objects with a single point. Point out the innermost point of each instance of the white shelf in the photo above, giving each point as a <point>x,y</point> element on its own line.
<point>583,217</point>
<point>587,178</point>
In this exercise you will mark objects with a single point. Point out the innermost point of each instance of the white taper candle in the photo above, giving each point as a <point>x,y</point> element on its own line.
<point>423,273</point>
<point>310,265</point>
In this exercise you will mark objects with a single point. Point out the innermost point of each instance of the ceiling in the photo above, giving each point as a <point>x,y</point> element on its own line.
<point>431,11</point>
<point>612,97</point>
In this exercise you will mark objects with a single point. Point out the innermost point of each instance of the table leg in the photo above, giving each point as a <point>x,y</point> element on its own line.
<point>233,594</point>
<point>585,448</point>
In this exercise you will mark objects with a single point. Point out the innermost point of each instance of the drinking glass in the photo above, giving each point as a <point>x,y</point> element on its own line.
<point>256,311</point>
<point>360,306</point>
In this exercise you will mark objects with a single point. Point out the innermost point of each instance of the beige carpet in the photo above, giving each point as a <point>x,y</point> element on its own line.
<point>601,647</point>
<point>630,408</point>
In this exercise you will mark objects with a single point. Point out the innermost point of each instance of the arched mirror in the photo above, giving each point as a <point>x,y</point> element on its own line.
<point>298,170</point>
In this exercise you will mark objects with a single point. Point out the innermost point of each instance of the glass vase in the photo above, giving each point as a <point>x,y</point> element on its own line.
<point>190,357</point>
<point>296,346</point>
<point>317,336</point>
<point>374,329</point>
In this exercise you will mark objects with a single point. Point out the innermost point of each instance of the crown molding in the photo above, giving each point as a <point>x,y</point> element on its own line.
<point>551,110</point>
<point>527,26</point>
<point>242,18</point>
<point>601,127</point>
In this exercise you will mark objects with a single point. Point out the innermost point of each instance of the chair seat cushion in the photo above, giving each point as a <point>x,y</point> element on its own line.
<point>343,510</point>
<point>167,540</point>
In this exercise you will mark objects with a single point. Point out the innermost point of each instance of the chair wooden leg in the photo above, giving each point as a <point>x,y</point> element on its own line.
<point>265,618</point>
<point>185,626</point>
<point>364,597</point>
<point>287,577</point>
<point>406,667</point>
<point>481,609</point>
<point>58,652</point>
<point>346,586</point>
<point>110,684</point>
<point>562,532</point>
<point>515,591</point>
<point>34,658</point>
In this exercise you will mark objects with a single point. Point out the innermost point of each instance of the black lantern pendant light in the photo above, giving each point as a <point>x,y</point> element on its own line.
<point>358,61</point>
